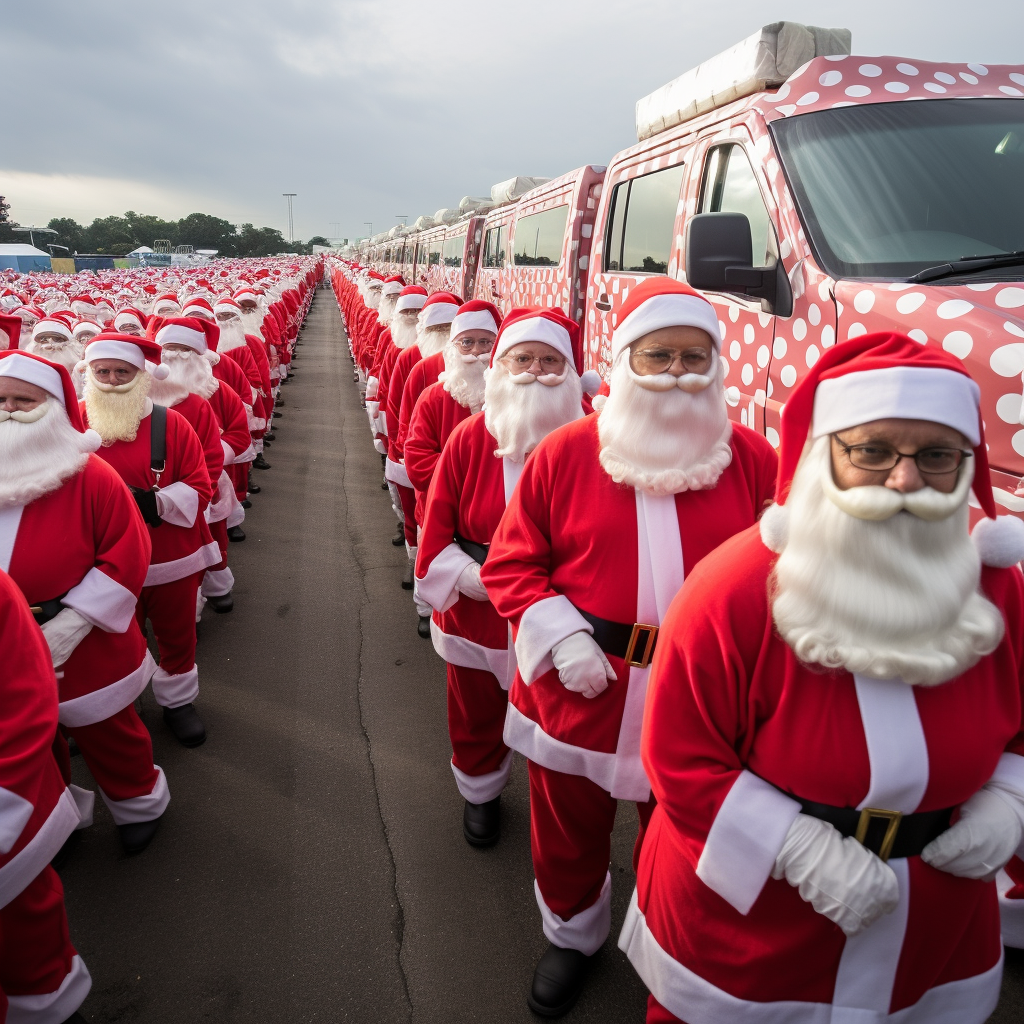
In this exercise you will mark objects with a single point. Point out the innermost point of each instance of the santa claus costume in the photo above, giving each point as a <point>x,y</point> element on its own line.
<point>851,667</point>
<point>172,493</point>
<point>82,590</point>
<point>610,514</point>
<point>432,331</point>
<point>43,977</point>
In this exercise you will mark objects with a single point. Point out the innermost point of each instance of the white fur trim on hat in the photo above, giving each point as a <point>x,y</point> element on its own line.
<point>668,310</point>
<point>110,349</point>
<point>227,307</point>
<point>438,313</point>
<point>536,328</point>
<point>124,316</point>
<point>32,371</point>
<point>179,334</point>
<point>897,392</point>
<point>1000,541</point>
<point>413,301</point>
<point>52,327</point>
<point>391,288</point>
<point>474,320</point>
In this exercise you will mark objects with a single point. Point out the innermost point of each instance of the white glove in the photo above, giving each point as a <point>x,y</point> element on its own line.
<point>582,666</point>
<point>64,632</point>
<point>470,584</point>
<point>982,841</point>
<point>843,880</point>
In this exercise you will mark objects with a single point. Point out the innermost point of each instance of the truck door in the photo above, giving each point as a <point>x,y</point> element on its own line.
<point>490,285</point>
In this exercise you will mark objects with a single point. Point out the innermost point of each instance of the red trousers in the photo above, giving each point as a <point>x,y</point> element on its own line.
<point>119,753</point>
<point>35,947</point>
<point>408,497</point>
<point>571,820</point>
<point>476,720</point>
<point>657,1014</point>
<point>219,530</point>
<point>171,607</point>
<point>238,474</point>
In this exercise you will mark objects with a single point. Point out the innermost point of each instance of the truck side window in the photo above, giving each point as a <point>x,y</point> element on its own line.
<point>729,186</point>
<point>452,252</point>
<point>494,247</point>
<point>434,256</point>
<point>642,222</point>
<point>539,237</point>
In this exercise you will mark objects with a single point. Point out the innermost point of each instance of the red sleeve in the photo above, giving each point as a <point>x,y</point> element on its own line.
<point>442,505</point>
<point>234,425</point>
<point>420,444</point>
<point>189,462</point>
<point>122,541</point>
<point>208,432</point>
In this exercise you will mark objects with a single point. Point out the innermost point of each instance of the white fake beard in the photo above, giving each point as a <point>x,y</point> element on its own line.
<point>372,298</point>
<point>892,598</point>
<point>188,373</point>
<point>464,377</point>
<point>39,450</point>
<point>666,439</point>
<point>232,335</point>
<point>403,331</point>
<point>116,410</point>
<point>67,353</point>
<point>432,340</point>
<point>252,322</point>
<point>520,415</point>
<point>386,309</point>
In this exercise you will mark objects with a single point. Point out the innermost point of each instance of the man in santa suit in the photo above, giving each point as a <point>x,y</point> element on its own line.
<point>53,339</point>
<point>172,494</point>
<point>471,485</point>
<point>218,418</point>
<point>609,515</point>
<point>129,320</point>
<point>10,331</point>
<point>833,729</point>
<point>43,977</point>
<point>83,587</point>
<point>251,318</point>
<point>386,310</point>
<point>400,335</point>
<point>166,305</point>
<point>433,326</point>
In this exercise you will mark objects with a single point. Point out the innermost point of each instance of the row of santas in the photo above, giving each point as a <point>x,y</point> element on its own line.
<point>773,657</point>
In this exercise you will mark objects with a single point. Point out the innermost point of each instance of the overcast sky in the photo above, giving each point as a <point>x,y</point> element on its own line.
<point>366,109</point>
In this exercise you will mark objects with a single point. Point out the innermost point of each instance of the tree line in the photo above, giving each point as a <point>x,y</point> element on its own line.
<point>117,236</point>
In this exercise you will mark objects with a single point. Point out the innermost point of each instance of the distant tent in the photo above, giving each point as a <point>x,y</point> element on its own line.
<point>23,258</point>
<point>143,250</point>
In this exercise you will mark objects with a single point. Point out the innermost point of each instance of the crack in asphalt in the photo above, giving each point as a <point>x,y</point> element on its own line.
<point>398,926</point>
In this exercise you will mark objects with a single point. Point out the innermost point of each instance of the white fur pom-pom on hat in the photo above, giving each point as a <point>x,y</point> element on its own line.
<point>598,402</point>
<point>1000,541</point>
<point>91,440</point>
<point>774,527</point>
<point>157,370</point>
<point>591,381</point>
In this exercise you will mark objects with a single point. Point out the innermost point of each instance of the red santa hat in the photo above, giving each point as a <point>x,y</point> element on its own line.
<point>476,315</point>
<point>412,296</point>
<point>661,302</point>
<point>879,376</point>
<point>11,326</point>
<point>53,378</point>
<point>82,325</point>
<point>166,298</point>
<point>53,325</point>
<point>393,285</point>
<point>199,335</point>
<point>226,304</point>
<point>198,306</point>
<point>130,315</point>
<point>142,353</point>
<point>247,295</point>
<point>533,323</point>
<point>440,308</point>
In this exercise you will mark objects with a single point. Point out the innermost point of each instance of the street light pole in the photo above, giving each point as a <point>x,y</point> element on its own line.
<point>369,224</point>
<point>291,227</point>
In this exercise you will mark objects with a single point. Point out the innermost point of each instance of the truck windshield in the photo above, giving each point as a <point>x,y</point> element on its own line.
<point>888,189</point>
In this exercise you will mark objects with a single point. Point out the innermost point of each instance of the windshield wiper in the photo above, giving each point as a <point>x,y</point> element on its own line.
<point>969,265</point>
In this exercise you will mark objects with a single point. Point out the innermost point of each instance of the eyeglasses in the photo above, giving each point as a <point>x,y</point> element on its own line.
<point>523,361</point>
<point>659,359</point>
<point>468,345</point>
<point>876,458</point>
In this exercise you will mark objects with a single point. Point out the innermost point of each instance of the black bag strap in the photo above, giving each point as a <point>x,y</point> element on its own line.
<point>158,440</point>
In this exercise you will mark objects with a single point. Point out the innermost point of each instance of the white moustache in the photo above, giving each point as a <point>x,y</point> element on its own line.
<point>168,357</point>
<point>877,503</point>
<point>689,382</point>
<point>24,416</point>
<point>119,389</point>
<point>547,379</point>
<point>470,360</point>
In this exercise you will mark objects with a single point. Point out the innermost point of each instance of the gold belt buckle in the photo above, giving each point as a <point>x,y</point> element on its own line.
<point>652,636</point>
<point>879,814</point>
<point>35,609</point>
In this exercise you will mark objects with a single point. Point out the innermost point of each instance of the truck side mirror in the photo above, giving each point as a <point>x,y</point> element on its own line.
<point>719,258</point>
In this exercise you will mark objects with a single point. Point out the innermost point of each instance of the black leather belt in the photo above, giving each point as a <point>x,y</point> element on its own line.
<point>885,833</point>
<point>478,552</point>
<point>633,642</point>
<point>46,610</point>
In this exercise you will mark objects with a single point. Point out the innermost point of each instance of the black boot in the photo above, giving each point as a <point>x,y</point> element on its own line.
<point>236,534</point>
<point>60,858</point>
<point>481,823</point>
<point>557,981</point>
<point>269,436</point>
<point>276,414</point>
<point>221,603</point>
<point>252,487</point>
<point>407,577</point>
<point>399,538</point>
<point>186,725</point>
<point>384,484</point>
<point>246,503</point>
<point>138,835</point>
<point>260,463</point>
<point>75,1018</point>
<point>423,627</point>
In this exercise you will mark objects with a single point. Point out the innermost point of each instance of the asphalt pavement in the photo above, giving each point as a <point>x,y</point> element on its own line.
<point>311,865</point>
